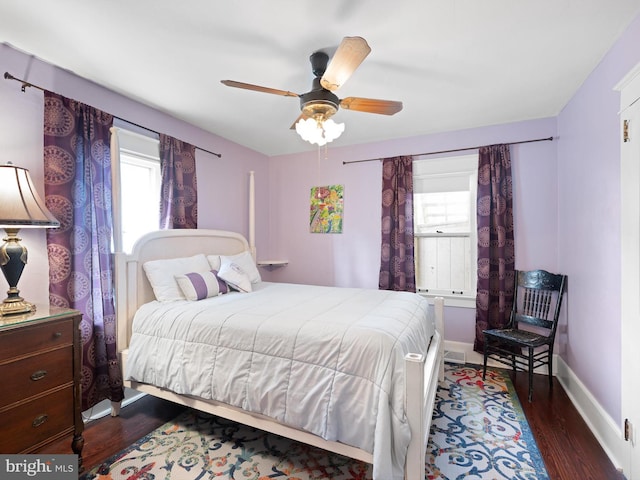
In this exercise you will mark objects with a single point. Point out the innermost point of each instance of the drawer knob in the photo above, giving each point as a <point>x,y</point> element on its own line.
<point>57,335</point>
<point>39,375</point>
<point>39,420</point>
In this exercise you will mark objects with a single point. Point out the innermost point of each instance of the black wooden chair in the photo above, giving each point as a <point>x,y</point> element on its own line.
<point>536,304</point>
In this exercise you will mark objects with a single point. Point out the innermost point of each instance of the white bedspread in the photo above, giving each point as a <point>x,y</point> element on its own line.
<point>326,360</point>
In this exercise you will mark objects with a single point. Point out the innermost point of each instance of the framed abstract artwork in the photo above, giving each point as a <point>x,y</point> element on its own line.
<point>326,209</point>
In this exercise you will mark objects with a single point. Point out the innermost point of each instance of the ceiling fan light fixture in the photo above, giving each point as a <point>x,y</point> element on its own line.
<point>319,132</point>
<point>332,130</point>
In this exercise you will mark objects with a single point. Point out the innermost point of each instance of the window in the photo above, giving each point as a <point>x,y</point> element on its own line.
<point>140,180</point>
<point>140,183</point>
<point>445,227</point>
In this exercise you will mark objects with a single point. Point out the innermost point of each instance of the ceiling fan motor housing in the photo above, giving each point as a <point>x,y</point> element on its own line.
<point>319,103</point>
<point>319,61</point>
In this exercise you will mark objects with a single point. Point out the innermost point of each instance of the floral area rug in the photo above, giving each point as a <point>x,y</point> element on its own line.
<point>478,432</point>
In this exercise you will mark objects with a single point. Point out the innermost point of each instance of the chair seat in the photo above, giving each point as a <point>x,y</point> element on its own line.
<point>519,337</point>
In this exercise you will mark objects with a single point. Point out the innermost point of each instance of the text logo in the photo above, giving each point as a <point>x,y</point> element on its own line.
<point>39,467</point>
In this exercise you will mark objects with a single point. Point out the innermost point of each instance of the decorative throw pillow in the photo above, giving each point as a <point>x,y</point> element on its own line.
<point>199,285</point>
<point>245,261</point>
<point>234,275</point>
<point>161,275</point>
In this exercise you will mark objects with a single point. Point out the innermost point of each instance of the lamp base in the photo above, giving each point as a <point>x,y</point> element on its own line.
<point>13,258</point>
<point>16,307</point>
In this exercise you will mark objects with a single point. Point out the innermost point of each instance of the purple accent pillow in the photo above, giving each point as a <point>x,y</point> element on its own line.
<point>199,285</point>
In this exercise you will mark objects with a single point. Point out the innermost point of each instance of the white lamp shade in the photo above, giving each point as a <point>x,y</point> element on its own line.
<point>20,204</point>
<point>319,133</point>
<point>332,130</point>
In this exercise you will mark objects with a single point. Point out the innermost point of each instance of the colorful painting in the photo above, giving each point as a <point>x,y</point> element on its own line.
<point>325,215</point>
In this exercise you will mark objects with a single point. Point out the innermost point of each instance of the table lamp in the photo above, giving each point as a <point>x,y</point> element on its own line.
<point>20,207</point>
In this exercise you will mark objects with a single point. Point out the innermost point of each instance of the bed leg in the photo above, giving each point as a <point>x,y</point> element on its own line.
<point>115,408</point>
<point>438,304</point>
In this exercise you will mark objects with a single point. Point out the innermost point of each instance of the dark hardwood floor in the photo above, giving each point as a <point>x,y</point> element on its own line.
<point>108,435</point>
<point>569,449</point>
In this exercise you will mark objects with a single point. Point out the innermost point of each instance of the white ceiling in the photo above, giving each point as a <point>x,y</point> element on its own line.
<point>454,64</point>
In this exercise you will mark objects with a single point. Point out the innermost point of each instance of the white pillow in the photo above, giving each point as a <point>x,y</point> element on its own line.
<point>197,286</point>
<point>245,261</point>
<point>161,275</point>
<point>234,275</point>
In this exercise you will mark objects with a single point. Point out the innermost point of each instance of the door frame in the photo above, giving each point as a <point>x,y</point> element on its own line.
<point>629,88</point>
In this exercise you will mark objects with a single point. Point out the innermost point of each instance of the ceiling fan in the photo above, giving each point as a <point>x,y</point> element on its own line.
<point>320,104</point>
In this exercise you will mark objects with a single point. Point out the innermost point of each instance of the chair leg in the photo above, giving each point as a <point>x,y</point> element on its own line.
<point>486,352</point>
<point>530,374</point>
<point>550,367</point>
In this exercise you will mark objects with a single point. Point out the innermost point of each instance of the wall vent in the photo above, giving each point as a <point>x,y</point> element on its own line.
<point>454,357</point>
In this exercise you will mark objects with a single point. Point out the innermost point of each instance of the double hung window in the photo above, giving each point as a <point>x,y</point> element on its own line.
<point>445,227</point>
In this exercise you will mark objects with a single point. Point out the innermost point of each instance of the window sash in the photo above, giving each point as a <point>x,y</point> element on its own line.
<point>141,211</point>
<point>446,262</point>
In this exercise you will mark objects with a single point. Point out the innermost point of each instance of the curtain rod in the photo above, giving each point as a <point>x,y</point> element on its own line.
<point>26,84</point>
<point>548,139</point>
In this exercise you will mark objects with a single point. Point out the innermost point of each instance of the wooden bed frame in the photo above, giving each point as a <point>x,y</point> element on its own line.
<point>133,290</point>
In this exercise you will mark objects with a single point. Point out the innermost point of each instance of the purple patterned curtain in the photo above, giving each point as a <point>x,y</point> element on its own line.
<point>179,203</point>
<point>397,270</point>
<point>77,175</point>
<point>496,248</point>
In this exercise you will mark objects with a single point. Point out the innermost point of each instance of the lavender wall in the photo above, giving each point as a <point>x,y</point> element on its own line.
<point>352,258</point>
<point>589,222</point>
<point>223,183</point>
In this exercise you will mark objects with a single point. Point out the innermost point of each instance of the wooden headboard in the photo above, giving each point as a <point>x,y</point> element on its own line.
<point>132,287</point>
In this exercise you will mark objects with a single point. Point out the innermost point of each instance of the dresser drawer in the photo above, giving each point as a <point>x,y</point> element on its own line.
<point>36,421</point>
<point>34,375</point>
<point>32,338</point>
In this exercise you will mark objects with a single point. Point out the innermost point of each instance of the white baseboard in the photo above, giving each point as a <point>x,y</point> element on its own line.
<point>103,408</point>
<point>607,433</point>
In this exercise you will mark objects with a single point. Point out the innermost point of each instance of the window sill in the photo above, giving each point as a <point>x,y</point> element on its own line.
<point>452,300</point>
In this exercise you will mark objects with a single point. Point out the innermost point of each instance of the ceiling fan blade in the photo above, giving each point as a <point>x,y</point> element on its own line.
<point>350,54</point>
<point>302,116</point>
<point>371,105</point>
<point>258,88</point>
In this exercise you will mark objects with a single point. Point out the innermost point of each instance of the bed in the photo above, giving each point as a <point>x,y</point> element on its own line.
<point>352,371</point>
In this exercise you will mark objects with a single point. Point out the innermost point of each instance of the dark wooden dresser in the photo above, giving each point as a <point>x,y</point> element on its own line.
<point>40,371</point>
